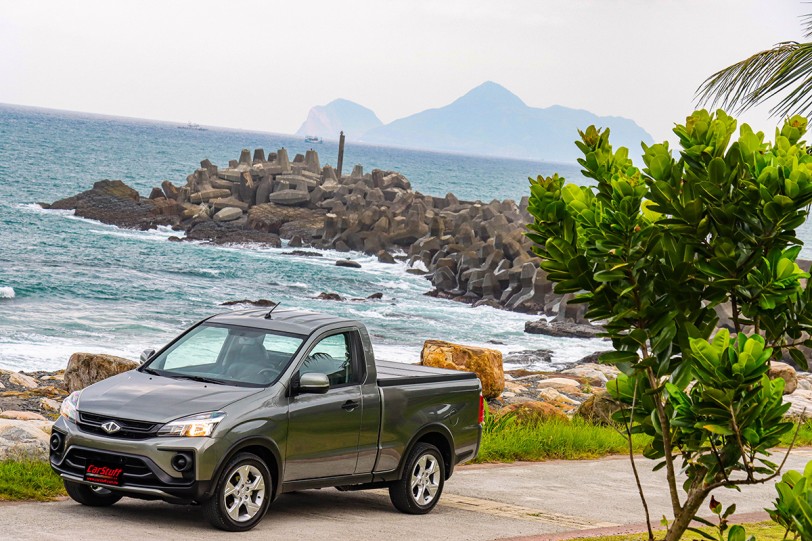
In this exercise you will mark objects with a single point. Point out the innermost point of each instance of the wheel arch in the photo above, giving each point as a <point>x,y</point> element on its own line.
<point>437,435</point>
<point>265,449</point>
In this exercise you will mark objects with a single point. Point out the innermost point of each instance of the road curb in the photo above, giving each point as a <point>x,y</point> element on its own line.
<point>625,529</point>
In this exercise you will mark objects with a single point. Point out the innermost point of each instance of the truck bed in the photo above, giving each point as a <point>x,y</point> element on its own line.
<point>392,373</point>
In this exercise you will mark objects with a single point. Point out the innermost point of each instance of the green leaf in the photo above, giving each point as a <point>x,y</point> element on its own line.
<point>737,533</point>
<point>799,358</point>
<point>615,357</point>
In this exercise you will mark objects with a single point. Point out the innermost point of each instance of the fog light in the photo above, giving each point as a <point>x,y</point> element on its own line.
<point>182,462</point>
<point>56,442</point>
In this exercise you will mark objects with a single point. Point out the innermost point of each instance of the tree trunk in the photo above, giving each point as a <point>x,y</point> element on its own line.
<point>681,522</point>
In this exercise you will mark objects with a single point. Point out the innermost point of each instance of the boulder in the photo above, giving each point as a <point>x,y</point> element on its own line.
<point>533,411</point>
<point>594,373</point>
<point>348,263</point>
<point>801,404</point>
<point>385,257</point>
<point>18,378</point>
<point>22,415</point>
<point>87,368</point>
<point>565,385</point>
<point>599,408</point>
<point>324,296</point>
<point>485,363</point>
<point>563,329</point>
<point>24,439</point>
<point>228,214</point>
<point>785,371</point>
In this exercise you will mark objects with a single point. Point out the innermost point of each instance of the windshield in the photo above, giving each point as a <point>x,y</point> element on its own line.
<point>228,355</point>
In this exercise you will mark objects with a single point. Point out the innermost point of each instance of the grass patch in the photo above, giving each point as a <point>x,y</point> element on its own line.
<point>804,436</point>
<point>554,439</point>
<point>29,480</point>
<point>764,531</point>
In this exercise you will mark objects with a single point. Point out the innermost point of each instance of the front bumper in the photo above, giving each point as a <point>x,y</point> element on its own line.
<point>148,471</point>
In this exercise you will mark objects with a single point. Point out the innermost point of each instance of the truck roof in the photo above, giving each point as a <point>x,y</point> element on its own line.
<point>289,321</point>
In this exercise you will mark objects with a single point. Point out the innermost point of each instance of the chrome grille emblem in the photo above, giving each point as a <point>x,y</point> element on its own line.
<point>111,427</point>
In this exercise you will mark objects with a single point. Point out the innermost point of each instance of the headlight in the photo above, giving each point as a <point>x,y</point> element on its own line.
<point>69,410</point>
<point>200,425</point>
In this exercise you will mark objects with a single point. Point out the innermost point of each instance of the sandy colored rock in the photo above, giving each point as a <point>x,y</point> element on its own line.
<point>557,398</point>
<point>22,380</point>
<point>596,374</point>
<point>560,384</point>
<point>87,368</point>
<point>534,411</point>
<point>513,387</point>
<point>783,370</point>
<point>801,401</point>
<point>49,404</point>
<point>22,415</point>
<point>599,408</point>
<point>485,363</point>
<point>24,439</point>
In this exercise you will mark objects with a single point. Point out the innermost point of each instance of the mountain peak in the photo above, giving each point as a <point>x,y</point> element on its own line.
<point>490,93</point>
<point>339,115</point>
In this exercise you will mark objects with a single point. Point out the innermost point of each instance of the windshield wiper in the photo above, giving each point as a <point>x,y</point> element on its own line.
<point>201,379</point>
<point>151,371</point>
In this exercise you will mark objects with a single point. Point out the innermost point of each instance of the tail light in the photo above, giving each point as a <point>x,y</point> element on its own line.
<point>481,408</point>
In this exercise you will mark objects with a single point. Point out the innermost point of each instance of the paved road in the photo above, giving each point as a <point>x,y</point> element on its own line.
<point>480,503</point>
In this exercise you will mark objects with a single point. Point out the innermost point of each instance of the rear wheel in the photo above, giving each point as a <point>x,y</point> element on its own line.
<point>418,491</point>
<point>242,495</point>
<point>91,495</point>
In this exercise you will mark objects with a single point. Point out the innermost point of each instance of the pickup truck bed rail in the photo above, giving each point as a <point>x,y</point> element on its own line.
<point>392,373</point>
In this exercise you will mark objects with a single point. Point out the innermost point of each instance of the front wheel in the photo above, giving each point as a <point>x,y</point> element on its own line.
<point>418,491</point>
<point>242,494</point>
<point>91,495</point>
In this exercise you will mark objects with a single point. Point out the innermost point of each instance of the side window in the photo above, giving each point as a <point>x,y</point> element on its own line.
<point>332,355</point>
<point>201,349</point>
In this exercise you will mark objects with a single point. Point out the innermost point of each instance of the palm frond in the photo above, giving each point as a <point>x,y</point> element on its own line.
<point>806,24</point>
<point>785,67</point>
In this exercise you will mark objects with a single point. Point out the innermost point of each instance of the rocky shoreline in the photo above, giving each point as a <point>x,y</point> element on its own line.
<point>30,401</point>
<point>469,251</point>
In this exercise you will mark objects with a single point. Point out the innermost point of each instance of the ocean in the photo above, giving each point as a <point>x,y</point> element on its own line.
<point>68,284</point>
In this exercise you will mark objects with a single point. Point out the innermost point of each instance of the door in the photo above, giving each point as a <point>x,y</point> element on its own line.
<point>323,429</point>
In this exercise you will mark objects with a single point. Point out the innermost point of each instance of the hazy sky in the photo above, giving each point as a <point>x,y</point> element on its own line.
<point>262,65</point>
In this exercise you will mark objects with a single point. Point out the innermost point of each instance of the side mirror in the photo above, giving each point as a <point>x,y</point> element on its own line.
<point>146,354</point>
<point>313,383</point>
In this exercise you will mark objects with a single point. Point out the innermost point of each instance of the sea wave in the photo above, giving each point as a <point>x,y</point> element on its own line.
<point>7,292</point>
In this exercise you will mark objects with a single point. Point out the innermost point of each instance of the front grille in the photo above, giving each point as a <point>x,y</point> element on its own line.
<point>135,469</point>
<point>130,430</point>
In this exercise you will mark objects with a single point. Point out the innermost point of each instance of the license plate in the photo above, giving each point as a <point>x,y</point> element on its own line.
<point>101,473</point>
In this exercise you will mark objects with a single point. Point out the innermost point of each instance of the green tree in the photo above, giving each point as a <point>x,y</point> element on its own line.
<point>784,70</point>
<point>653,252</point>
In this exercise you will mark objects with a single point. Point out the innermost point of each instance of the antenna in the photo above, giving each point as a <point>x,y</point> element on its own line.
<point>275,306</point>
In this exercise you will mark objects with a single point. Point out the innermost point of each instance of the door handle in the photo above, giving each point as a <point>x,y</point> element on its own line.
<point>350,405</point>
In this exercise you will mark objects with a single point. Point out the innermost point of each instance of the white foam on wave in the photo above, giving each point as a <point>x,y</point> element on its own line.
<point>161,233</point>
<point>36,209</point>
<point>41,355</point>
<point>7,292</point>
<point>398,354</point>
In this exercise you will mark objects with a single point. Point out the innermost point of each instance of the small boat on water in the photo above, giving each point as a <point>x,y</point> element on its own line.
<point>313,139</point>
<point>192,126</point>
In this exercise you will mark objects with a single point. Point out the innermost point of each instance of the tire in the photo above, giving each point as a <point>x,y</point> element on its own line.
<point>242,494</point>
<point>91,496</point>
<point>419,490</point>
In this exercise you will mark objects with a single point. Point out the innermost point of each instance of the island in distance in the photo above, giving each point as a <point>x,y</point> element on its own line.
<point>488,120</point>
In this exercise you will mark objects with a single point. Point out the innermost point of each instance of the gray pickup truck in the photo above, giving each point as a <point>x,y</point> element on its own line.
<point>245,406</point>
